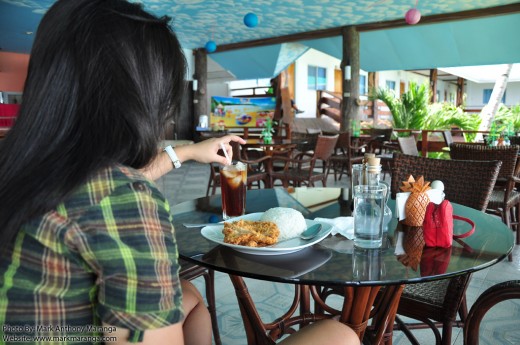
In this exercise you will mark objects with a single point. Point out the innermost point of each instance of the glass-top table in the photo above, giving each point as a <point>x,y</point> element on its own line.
<point>332,262</point>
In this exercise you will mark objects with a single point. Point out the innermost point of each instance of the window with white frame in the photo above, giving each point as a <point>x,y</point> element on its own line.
<point>362,84</point>
<point>390,84</point>
<point>486,95</point>
<point>316,78</point>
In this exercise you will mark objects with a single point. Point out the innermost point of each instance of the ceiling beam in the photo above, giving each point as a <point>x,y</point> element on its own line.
<point>433,19</point>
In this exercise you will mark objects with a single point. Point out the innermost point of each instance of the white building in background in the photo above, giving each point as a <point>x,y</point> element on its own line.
<point>315,69</point>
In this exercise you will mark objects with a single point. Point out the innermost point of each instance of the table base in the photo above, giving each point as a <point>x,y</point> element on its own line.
<point>361,303</point>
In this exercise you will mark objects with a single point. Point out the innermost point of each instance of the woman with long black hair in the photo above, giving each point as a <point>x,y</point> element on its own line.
<point>88,250</point>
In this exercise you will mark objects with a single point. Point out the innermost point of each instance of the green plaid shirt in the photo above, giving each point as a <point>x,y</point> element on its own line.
<point>108,254</point>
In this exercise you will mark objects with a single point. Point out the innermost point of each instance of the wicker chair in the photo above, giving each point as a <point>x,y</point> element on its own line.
<point>256,168</point>
<point>305,142</point>
<point>497,293</point>
<point>436,303</point>
<point>345,154</point>
<point>379,138</point>
<point>514,140</point>
<point>300,169</point>
<point>214,179</point>
<point>505,199</point>
<point>191,271</point>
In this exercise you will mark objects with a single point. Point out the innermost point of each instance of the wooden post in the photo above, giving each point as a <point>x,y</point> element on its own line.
<point>373,83</point>
<point>433,85</point>
<point>460,91</point>
<point>200,102</point>
<point>350,103</point>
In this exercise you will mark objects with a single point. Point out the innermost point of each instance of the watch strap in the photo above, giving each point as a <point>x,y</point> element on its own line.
<point>173,156</point>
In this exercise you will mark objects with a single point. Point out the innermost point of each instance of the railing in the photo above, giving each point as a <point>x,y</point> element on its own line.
<point>428,143</point>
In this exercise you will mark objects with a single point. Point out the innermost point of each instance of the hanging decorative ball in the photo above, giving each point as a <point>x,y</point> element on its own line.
<point>211,46</point>
<point>251,20</point>
<point>412,16</point>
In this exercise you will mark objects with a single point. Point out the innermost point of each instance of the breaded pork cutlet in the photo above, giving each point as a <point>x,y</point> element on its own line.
<point>251,233</point>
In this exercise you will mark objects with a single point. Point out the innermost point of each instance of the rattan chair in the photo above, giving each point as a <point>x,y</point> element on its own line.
<point>191,271</point>
<point>256,168</point>
<point>214,179</point>
<point>468,183</point>
<point>380,137</point>
<point>514,140</point>
<point>505,199</point>
<point>305,142</point>
<point>300,170</point>
<point>497,293</point>
<point>345,154</point>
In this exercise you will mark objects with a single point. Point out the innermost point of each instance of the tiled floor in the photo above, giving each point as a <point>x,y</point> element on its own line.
<point>501,324</point>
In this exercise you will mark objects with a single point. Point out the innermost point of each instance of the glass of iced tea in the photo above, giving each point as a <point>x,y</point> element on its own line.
<point>233,182</point>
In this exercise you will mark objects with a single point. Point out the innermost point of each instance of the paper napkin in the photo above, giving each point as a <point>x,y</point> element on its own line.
<point>436,196</point>
<point>340,225</point>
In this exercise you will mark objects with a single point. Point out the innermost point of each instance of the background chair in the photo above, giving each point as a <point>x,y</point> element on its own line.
<point>514,140</point>
<point>379,138</point>
<point>256,168</point>
<point>305,142</point>
<point>497,293</point>
<point>448,140</point>
<point>345,154</point>
<point>301,169</point>
<point>439,301</point>
<point>408,145</point>
<point>214,179</point>
<point>505,199</point>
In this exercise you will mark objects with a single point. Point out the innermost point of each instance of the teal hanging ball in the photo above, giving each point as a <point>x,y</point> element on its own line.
<point>251,20</point>
<point>211,46</point>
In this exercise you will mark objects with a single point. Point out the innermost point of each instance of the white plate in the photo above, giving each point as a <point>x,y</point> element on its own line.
<point>214,233</point>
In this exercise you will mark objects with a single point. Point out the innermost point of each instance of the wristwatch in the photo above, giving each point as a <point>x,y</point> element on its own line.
<point>173,156</point>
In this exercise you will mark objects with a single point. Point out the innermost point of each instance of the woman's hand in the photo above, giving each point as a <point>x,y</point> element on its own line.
<point>206,151</point>
<point>203,152</point>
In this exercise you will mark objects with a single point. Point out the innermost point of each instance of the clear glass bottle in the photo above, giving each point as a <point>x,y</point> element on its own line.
<point>373,176</point>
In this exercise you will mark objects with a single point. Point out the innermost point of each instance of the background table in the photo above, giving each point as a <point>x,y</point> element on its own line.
<point>332,262</point>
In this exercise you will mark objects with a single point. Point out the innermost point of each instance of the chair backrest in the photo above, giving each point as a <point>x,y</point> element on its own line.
<point>313,130</point>
<point>381,134</point>
<point>304,141</point>
<point>506,154</point>
<point>448,138</point>
<point>468,183</point>
<point>514,140</point>
<point>492,296</point>
<point>408,145</point>
<point>325,146</point>
<point>344,143</point>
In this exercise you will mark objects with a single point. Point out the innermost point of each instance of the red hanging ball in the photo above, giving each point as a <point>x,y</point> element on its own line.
<point>412,16</point>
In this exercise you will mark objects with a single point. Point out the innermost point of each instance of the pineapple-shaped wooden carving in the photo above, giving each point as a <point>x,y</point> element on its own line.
<point>413,244</point>
<point>415,207</point>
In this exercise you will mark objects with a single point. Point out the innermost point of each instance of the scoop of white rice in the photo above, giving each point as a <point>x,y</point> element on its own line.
<point>290,222</point>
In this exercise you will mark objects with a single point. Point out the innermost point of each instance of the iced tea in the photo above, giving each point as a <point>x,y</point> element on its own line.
<point>233,181</point>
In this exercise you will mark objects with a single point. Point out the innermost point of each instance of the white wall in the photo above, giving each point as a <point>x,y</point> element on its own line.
<point>304,98</point>
<point>475,94</point>
<point>188,53</point>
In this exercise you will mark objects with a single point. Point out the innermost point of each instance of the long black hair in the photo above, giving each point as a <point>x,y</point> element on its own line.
<point>104,79</point>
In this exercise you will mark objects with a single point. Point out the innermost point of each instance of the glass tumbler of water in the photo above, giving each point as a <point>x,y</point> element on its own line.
<point>369,206</point>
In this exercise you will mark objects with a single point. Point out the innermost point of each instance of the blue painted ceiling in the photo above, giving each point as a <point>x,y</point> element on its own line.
<point>469,42</point>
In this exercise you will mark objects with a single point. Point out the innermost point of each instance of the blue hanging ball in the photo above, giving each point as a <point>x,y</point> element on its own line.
<point>211,46</point>
<point>251,20</point>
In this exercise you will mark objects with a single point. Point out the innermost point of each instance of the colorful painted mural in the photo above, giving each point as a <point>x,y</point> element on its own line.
<point>241,112</point>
